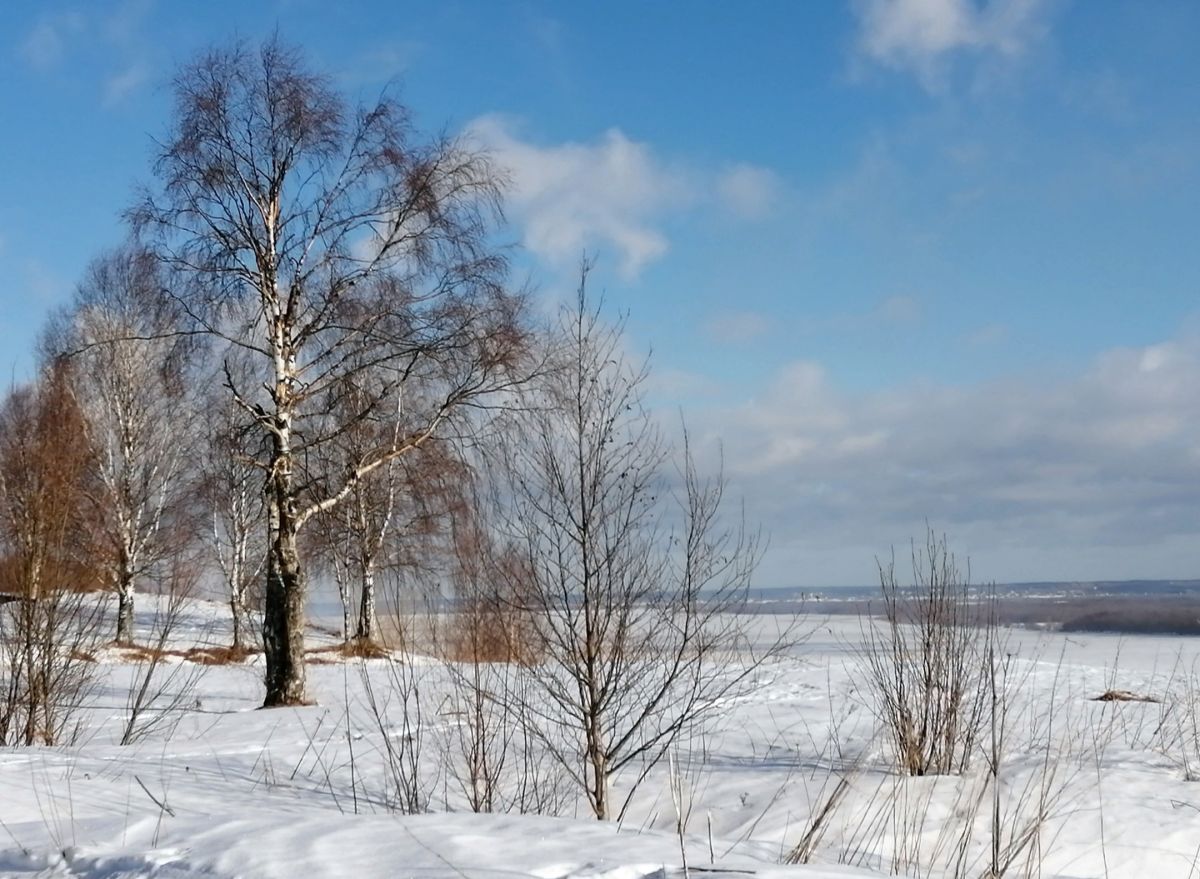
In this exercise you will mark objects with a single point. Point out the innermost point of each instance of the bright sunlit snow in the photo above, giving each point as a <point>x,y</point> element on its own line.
<point>224,789</point>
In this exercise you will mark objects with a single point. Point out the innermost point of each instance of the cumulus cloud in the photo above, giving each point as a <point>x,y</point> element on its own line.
<point>1095,475</point>
<point>609,194</point>
<point>917,36</point>
<point>613,194</point>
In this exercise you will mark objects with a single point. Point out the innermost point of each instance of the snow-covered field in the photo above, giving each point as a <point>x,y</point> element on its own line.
<point>222,789</point>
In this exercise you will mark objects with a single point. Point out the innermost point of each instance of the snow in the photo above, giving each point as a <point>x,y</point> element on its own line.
<point>226,790</point>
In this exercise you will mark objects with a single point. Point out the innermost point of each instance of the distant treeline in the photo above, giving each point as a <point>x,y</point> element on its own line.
<point>1128,613</point>
<point>1135,617</point>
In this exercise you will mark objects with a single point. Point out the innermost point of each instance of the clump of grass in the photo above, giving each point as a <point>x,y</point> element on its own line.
<point>226,655</point>
<point>355,648</point>
<point>1123,696</point>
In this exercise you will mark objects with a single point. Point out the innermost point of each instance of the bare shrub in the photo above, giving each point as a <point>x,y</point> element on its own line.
<point>481,733</point>
<point>829,799</point>
<point>925,662</point>
<point>998,820</point>
<point>399,717</point>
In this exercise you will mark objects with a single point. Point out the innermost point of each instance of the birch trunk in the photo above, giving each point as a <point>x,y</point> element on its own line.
<point>367,626</point>
<point>283,617</point>
<point>125,614</point>
<point>284,612</point>
<point>237,613</point>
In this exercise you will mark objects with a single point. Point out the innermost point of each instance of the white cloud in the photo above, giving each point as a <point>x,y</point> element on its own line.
<point>748,190</point>
<point>612,194</point>
<point>1093,475</point>
<point>919,35</point>
<point>609,194</point>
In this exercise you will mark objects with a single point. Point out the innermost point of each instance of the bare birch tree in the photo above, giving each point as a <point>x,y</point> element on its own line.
<point>355,537</point>
<point>398,523</point>
<point>131,383</point>
<point>634,582</point>
<point>355,245</point>
<point>354,541</point>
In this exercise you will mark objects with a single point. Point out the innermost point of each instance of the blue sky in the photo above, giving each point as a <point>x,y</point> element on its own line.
<point>908,259</point>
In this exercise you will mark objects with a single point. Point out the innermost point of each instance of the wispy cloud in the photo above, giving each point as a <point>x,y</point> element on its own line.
<point>44,284</point>
<point>114,36</point>
<point>45,46</point>
<point>736,327</point>
<point>897,309</point>
<point>381,63</point>
<point>987,336</point>
<point>125,82</point>
<point>124,23</point>
<point>919,36</point>
<point>888,314</point>
<point>748,190</point>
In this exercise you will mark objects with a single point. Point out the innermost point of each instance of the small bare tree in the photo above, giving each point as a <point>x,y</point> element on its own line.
<point>50,625</point>
<point>341,243</point>
<point>634,584</point>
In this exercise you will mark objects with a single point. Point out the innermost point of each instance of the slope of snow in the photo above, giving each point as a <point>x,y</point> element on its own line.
<point>222,789</point>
